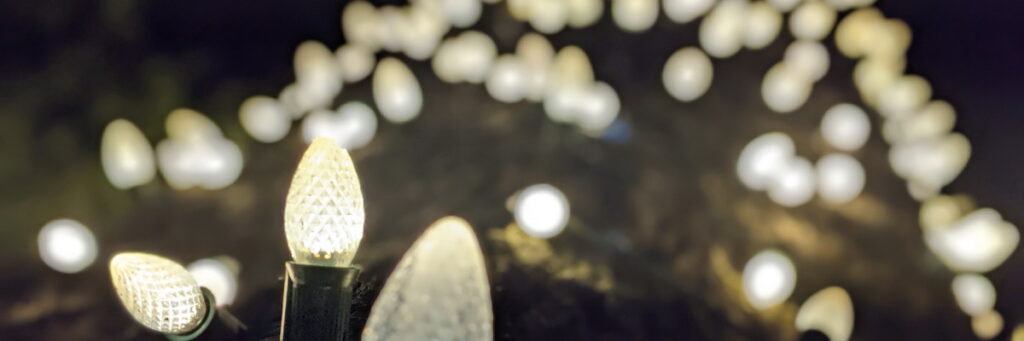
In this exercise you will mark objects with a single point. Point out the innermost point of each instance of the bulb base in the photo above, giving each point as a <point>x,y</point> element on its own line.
<point>227,325</point>
<point>317,302</point>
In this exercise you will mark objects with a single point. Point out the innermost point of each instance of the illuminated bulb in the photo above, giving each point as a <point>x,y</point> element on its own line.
<point>264,119</point>
<point>783,5</point>
<point>904,96</point>
<point>721,32</point>
<point>932,163</point>
<point>974,294</point>
<point>396,91</point>
<point>323,214</point>
<point>978,242</point>
<point>475,55</point>
<point>519,9</point>
<point>762,26</point>
<point>549,16</point>
<point>987,325</point>
<point>359,24</point>
<point>808,57</point>
<point>763,159</point>
<point>217,277</point>
<point>126,155</point>
<point>508,79</point>
<point>423,30</point>
<point>829,311</point>
<point>190,126</point>
<point>445,63</point>
<point>158,293</point>
<point>537,55</point>
<point>352,126</point>
<point>391,25</point>
<point>571,69</point>
<point>768,279</point>
<point>872,75</point>
<point>541,211</point>
<point>67,246</point>
<point>813,20</point>
<point>794,186</point>
<point>598,110</point>
<point>317,76</point>
<point>784,88</point>
<point>438,291</point>
<point>196,154</point>
<point>462,13</point>
<point>687,74</point>
<point>933,120</point>
<point>684,11</point>
<point>840,178</point>
<point>943,211</point>
<point>891,38</point>
<point>1018,333</point>
<point>634,15</point>
<point>854,34</point>
<point>354,61</point>
<point>583,13</point>
<point>845,126</point>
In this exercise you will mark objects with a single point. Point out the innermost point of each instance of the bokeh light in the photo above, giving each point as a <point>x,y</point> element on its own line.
<point>67,246</point>
<point>541,210</point>
<point>218,277</point>
<point>768,279</point>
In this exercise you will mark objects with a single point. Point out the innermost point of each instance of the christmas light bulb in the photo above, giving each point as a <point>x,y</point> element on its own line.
<point>323,214</point>
<point>159,293</point>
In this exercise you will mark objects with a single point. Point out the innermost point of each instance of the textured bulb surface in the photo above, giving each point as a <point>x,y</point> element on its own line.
<point>323,214</point>
<point>158,292</point>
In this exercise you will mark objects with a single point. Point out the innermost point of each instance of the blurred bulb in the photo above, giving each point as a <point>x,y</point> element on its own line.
<point>217,277</point>
<point>721,31</point>
<point>783,5</point>
<point>978,242</point>
<point>764,159</point>
<point>519,9</point>
<point>475,55</point>
<point>67,246</point>
<point>158,293</point>
<point>785,89</point>
<point>684,11</point>
<point>542,211</point>
<point>423,30</point>
<point>813,20</point>
<point>583,13</point>
<point>974,294</point>
<point>768,279</point>
<point>808,57</point>
<point>856,31</point>
<point>571,69</point>
<point>508,79</point>
<point>126,155</point>
<point>462,13</point>
<point>794,186</point>
<point>352,126</point>
<point>904,96</point>
<point>396,91</point>
<point>840,178</point>
<point>438,291</point>
<point>391,25</point>
<point>933,120</point>
<point>829,311</point>
<point>932,163</point>
<point>354,61</point>
<point>445,63</point>
<point>359,24</point>
<point>846,127</point>
<point>537,56</point>
<point>874,74</point>
<point>687,74</point>
<point>317,76</point>
<point>598,110</point>
<point>943,211</point>
<point>987,325</point>
<point>549,16</point>
<point>264,119</point>
<point>323,214</point>
<point>634,15</point>
<point>1018,333</point>
<point>196,154</point>
<point>890,38</point>
<point>190,126</point>
<point>763,24</point>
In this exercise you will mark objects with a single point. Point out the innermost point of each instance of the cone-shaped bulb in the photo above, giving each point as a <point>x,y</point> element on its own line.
<point>158,292</point>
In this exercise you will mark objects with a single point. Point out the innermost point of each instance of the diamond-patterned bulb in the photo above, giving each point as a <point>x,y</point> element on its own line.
<point>158,292</point>
<point>323,214</point>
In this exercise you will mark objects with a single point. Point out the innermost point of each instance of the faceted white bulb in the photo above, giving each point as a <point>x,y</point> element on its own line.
<point>856,31</point>
<point>874,74</point>
<point>158,293</point>
<point>813,20</point>
<point>684,11</point>
<point>975,294</point>
<point>904,96</point>
<point>549,16</point>
<point>987,325</point>
<point>462,13</point>
<point>423,30</point>
<point>808,57</point>
<point>721,32</point>
<point>323,214</point>
<point>687,74</point>
<point>598,110</point>
<point>126,155</point>
<point>541,211</point>
<point>763,24</point>
<point>634,15</point>
<point>359,24</point>
<point>355,62</point>
<point>537,55</point>
<point>840,178</point>
<point>785,89</point>
<point>943,211</point>
<point>795,184</point>
<point>475,55</point>
<point>352,126</point>
<point>217,277</point>
<point>583,13</point>
<point>845,126</point>
<point>978,242</point>
<point>783,5</point>
<point>67,246</point>
<point>829,311</point>
<point>264,119</point>
<point>933,120</point>
<point>764,159</point>
<point>508,79</point>
<point>768,279</point>
<point>438,291</point>
<point>396,91</point>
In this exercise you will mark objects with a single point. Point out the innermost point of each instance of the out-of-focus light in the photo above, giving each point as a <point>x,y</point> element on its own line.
<point>191,126</point>
<point>264,119</point>
<point>891,38</point>
<point>317,76</point>
<point>721,31</point>
<point>196,154</point>
<point>583,13</point>
<point>408,306</point>
<point>978,242</point>
<point>571,69</point>
<point>905,96</point>
<point>932,163</point>
<point>67,246</point>
<point>845,126</point>
<point>783,5</point>
<point>794,186</point>
<point>467,57</point>
<point>855,32</point>
<point>974,294</point>
<point>684,11</point>
<point>943,211</point>
<point>126,155</point>
<point>352,126</point>
<point>763,159</point>
<point>519,9</point>
<point>158,293</point>
<point>933,120</point>
<point>1018,333</point>
<point>537,54</point>
<point>598,110</point>
<point>829,311</point>
<point>216,276</point>
<point>396,91</point>
<point>784,88</point>
<point>424,26</point>
<point>840,178</point>
<point>508,79</point>
<point>323,213</point>
<point>462,13</point>
<point>987,325</point>
<point>355,62</point>
<point>634,15</point>
<point>542,210</point>
<point>872,75</point>
<point>763,24</point>
<point>768,279</point>
<point>687,74</point>
<point>813,20</point>
<point>359,24</point>
<point>808,57</point>
<point>549,17</point>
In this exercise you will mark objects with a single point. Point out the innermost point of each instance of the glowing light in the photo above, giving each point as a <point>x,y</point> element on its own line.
<point>684,11</point>
<point>126,155</point>
<point>808,57</point>
<point>943,211</point>
<point>542,211</point>
<point>508,79</point>
<point>783,5</point>
<point>549,17</point>
<point>583,13</point>
<point>721,31</point>
<point>462,13</point>
<point>768,279</point>
<point>935,119</point>
<point>855,32</point>
<point>537,54</point>
<point>422,30</point>
<point>264,119</point>
<point>762,25</point>
<point>845,126</point>
<point>1018,333</point>
<point>974,294</point>
<point>196,154</point>
<point>987,325</point>
<point>891,37</point>
<point>467,57</point>
<point>829,311</point>
<point>571,69</point>
<point>634,15</point>
<point>873,75</point>
<point>317,76</point>
<point>217,277</point>
<point>931,163</point>
<point>904,96</point>
<point>396,91</point>
<point>354,61</point>
<point>420,302</point>
<point>784,88</point>
<point>598,109</point>
<point>978,242</point>
<point>763,160</point>
<point>323,214</point>
<point>352,126</point>
<point>158,292</point>
<point>794,186</point>
<point>840,178</point>
<point>359,24</point>
<point>687,74</point>
<point>67,246</point>
<point>813,20</point>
